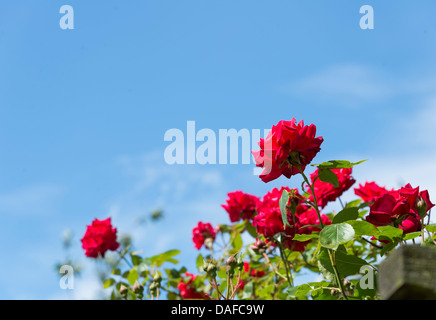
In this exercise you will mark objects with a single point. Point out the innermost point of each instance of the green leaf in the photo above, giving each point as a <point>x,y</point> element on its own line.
<point>364,293</point>
<point>389,233</point>
<point>302,291</point>
<point>328,176</point>
<point>333,235</point>
<point>347,264</point>
<point>282,204</point>
<point>135,259</point>
<point>346,215</point>
<point>108,283</point>
<point>291,291</point>
<point>237,241</point>
<point>114,295</point>
<point>431,227</point>
<point>363,228</point>
<point>248,290</point>
<point>199,262</point>
<point>412,235</point>
<point>172,296</point>
<point>173,261</point>
<point>222,273</point>
<point>251,229</point>
<point>266,291</point>
<point>353,203</point>
<point>133,276</point>
<point>337,164</point>
<point>305,237</point>
<point>387,247</point>
<point>159,259</point>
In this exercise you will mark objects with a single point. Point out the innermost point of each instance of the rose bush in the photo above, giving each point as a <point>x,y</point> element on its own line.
<point>291,230</point>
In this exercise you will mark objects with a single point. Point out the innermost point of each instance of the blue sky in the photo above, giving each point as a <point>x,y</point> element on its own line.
<point>83,112</point>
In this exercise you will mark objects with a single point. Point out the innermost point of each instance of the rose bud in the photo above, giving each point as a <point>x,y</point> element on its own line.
<point>157,277</point>
<point>123,291</point>
<point>230,261</point>
<point>138,288</point>
<point>421,205</point>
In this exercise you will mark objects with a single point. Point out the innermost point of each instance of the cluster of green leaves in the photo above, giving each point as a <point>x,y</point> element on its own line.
<point>141,272</point>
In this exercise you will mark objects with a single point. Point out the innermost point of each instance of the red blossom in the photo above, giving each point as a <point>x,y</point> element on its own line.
<point>268,221</point>
<point>326,192</point>
<point>99,237</point>
<point>241,284</point>
<point>400,208</point>
<point>253,272</point>
<point>287,146</point>
<point>201,233</point>
<point>240,205</point>
<point>187,291</point>
<point>369,191</point>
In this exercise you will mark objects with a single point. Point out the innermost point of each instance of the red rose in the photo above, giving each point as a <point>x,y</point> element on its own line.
<point>240,205</point>
<point>413,195</point>
<point>287,146</point>
<point>411,224</point>
<point>310,217</point>
<point>370,191</point>
<point>387,209</point>
<point>326,192</point>
<point>257,273</point>
<point>268,221</point>
<point>201,233</point>
<point>99,238</point>
<point>400,208</point>
<point>187,291</point>
<point>246,266</point>
<point>241,285</point>
<point>253,272</point>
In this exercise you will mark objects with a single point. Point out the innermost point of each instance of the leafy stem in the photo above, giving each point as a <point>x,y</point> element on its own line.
<point>285,262</point>
<point>335,269</point>
<point>315,202</point>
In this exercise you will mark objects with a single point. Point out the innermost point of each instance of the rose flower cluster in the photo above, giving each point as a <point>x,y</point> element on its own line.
<point>403,208</point>
<point>286,151</point>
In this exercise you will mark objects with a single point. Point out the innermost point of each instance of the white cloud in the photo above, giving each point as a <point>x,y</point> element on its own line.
<point>349,84</point>
<point>186,194</point>
<point>355,85</point>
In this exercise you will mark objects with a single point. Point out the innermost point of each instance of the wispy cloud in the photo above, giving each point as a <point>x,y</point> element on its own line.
<point>348,84</point>
<point>187,194</point>
<point>355,85</point>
